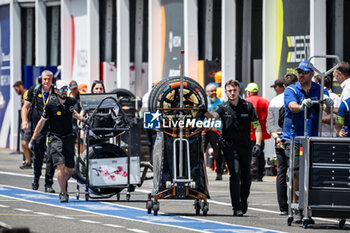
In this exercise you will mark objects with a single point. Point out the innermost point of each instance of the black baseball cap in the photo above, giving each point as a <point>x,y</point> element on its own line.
<point>277,83</point>
<point>73,84</point>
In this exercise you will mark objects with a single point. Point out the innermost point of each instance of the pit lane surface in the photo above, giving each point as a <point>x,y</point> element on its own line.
<point>40,212</point>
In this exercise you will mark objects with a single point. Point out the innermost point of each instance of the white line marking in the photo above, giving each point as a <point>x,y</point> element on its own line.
<point>137,230</point>
<point>112,225</point>
<point>90,221</point>
<point>23,210</point>
<point>4,206</point>
<point>42,213</point>
<point>64,217</point>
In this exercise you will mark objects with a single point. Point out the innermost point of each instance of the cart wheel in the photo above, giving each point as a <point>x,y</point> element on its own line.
<point>149,206</point>
<point>197,206</point>
<point>86,197</point>
<point>77,195</point>
<point>155,208</point>
<point>205,208</point>
<point>305,223</point>
<point>289,221</point>
<point>118,196</point>
<point>128,197</point>
<point>342,223</point>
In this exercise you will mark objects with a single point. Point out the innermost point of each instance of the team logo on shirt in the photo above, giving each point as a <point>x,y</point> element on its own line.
<point>40,95</point>
<point>71,108</point>
<point>59,113</point>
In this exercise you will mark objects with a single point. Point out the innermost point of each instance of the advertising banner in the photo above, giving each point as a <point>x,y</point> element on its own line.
<point>172,36</point>
<point>293,35</point>
<point>4,74</point>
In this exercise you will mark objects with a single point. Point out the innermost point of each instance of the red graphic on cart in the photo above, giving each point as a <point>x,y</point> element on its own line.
<point>111,175</point>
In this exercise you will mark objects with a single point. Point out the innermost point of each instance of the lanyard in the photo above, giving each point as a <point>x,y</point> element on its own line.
<point>47,99</point>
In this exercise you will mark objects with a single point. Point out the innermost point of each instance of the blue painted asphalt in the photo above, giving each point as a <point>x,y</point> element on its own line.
<point>124,212</point>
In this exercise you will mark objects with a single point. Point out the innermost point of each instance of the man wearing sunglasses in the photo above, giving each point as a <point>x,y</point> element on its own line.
<point>297,97</point>
<point>59,113</point>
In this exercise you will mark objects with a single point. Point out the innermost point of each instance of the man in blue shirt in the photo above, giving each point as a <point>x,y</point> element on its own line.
<point>343,119</point>
<point>297,97</point>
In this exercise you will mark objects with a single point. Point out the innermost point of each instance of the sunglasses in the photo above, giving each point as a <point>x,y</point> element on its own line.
<point>63,90</point>
<point>303,72</point>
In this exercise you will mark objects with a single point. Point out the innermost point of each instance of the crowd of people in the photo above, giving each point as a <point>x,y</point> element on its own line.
<point>248,122</point>
<point>48,113</point>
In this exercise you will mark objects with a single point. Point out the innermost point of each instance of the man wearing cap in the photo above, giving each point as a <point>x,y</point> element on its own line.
<point>257,169</point>
<point>38,96</point>
<point>274,128</point>
<point>297,97</point>
<point>59,113</point>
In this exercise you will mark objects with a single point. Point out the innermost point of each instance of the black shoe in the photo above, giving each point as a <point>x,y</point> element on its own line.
<point>244,207</point>
<point>218,176</point>
<point>26,166</point>
<point>238,213</point>
<point>35,185</point>
<point>64,197</point>
<point>49,189</point>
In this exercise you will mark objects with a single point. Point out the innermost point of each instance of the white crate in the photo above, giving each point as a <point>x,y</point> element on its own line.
<point>113,171</point>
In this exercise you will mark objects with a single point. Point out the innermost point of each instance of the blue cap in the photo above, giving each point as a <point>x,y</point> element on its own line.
<point>304,65</point>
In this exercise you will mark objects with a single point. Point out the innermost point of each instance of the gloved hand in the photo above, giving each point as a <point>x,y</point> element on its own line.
<point>306,103</point>
<point>31,144</point>
<point>329,102</point>
<point>256,151</point>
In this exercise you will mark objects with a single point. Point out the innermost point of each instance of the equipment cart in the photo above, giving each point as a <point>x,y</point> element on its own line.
<point>324,170</point>
<point>178,163</point>
<point>106,167</point>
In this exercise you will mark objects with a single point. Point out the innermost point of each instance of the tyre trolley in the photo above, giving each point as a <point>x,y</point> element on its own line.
<point>179,99</point>
<point>106,167</point>
<point>324,171</point>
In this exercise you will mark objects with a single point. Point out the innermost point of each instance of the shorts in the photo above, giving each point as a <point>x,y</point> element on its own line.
<point>61,149</point>
<point>26,135</point>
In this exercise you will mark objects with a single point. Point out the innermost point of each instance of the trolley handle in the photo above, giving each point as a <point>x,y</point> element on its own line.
<point>327,57</point>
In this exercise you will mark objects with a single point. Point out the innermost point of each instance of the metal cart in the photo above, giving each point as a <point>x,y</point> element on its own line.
<point>108,166</point>
<point>181,183</point>
<point>324,170</point>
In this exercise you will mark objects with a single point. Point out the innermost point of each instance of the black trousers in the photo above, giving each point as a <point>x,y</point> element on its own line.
<point>281,179</point>
<point>257,170</point>
<point>212,138</point>
<point>238,160</point>
<point>39,153</point>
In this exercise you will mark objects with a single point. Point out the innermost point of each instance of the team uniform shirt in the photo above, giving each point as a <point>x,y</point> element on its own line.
<point>60,116</point>
<point>236,121</point>
<point>261,105</point>
<point>39,99</point>
<point>346,90</point>
<point>344,114</point>
<point>273,114</point>
<point>293,93</point>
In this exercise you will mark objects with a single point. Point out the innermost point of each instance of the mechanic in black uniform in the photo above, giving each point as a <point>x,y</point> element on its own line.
<point>59,113</point>
<point>237,115</point>
<point>38,96</point>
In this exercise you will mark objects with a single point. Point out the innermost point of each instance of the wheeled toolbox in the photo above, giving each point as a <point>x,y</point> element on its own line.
<point>324,178</point>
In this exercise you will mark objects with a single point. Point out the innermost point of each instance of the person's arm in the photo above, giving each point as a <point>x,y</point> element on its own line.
<point>258,134</point>
<point>77,116</point>
<point>24,115</point>
<point>212,115</point>
<point>38,128</point>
